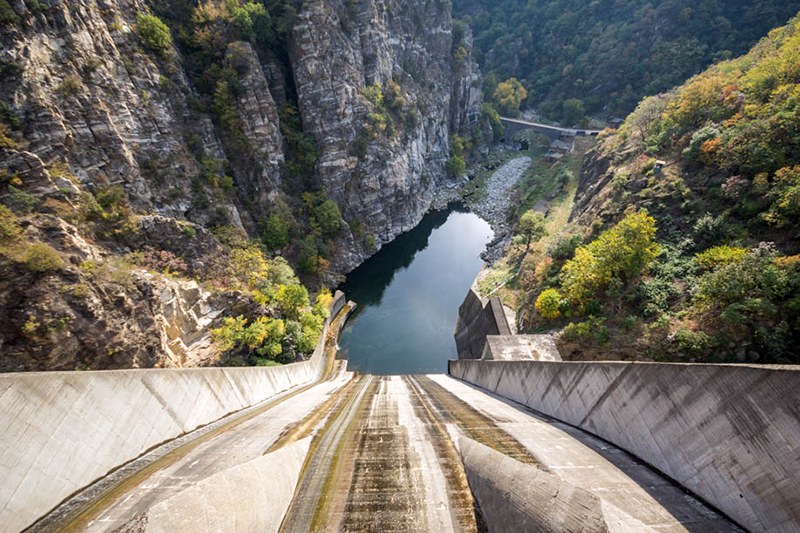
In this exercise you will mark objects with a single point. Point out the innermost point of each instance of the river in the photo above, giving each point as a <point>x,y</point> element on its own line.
<point>408,296</point>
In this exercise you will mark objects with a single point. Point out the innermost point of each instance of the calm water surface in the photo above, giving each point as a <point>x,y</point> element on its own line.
<point>408,296</point>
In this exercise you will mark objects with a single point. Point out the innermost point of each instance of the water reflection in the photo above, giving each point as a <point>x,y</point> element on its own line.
<point>408,296</point>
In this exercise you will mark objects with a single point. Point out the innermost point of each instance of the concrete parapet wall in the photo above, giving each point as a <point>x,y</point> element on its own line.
<point>64,430</point>
<point>520,348</point>
<point>728,433</point>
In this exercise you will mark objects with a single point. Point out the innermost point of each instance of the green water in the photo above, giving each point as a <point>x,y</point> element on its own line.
<point>408,296</point>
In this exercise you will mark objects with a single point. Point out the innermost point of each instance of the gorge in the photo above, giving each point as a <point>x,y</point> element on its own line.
<point>184,185</point>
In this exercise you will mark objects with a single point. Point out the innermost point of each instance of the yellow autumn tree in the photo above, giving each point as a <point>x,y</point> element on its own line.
<point>509,95</point>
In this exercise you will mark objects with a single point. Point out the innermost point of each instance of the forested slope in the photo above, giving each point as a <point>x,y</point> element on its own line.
<point>610,53</point>
<point>686,221</point>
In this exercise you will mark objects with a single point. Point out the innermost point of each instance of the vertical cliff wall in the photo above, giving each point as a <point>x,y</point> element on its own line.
<point>103,129</point>
<point>381,89</point>
<point>87,91</point>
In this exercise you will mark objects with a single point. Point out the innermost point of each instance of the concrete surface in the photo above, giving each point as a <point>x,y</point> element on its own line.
<point>520,348</point>
<point>516,498</point>
<point>632,495</point>
<point>252,496</point>
<point>728,433</point>
<point>476,320</point>
<point>63,430</point>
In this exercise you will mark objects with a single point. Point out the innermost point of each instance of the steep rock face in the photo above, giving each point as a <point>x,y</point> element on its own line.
<point>89,111</point>
<point>93,311</point>
<point>404,48</point>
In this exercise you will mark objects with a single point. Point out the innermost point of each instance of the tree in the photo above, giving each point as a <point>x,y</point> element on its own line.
<point>531,228</point>
<point>572,111</point>
<point>154,34</point>
<point>291,299</point>
<point>549,303</point>
<point>328,216</point>
<point>276,232</point>
<point>456,167</point>
<point>509,95</point>
<point>623,253</point>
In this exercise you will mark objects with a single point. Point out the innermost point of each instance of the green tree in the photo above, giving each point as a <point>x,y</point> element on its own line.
<point>572,112</point>
<point>291,300</point>
<point>328,216</point>
<point>456,167</point>
<point>154,34</point>
<point>623,252</point>
<point>509,95</point>
<point>276,232</point>
<point>531,228</point>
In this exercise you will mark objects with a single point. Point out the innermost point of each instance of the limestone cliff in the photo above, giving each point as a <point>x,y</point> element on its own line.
<point>130,148</point>
<point>382,175</point>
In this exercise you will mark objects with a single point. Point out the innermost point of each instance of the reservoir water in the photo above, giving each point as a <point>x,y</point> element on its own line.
<point>408,296</point>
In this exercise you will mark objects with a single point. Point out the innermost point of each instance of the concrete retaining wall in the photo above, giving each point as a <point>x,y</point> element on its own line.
<point>728,433</point>
<point>63,430</point>
<point>476,320</point>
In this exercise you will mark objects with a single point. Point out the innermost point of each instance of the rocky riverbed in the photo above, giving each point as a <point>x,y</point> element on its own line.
<point>495,205</point>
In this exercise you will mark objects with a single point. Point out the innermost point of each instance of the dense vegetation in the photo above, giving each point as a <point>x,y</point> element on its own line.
<point>704,186</point>
<point>605,55</point>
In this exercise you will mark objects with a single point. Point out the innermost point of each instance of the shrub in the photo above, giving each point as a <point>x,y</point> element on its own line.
<point>9,229</point>
<point>263,336</point>
<point>20,201</point>
<point>276,232</point>
<point>719,256</point>
<point>291,299</point>
<point>41,257</point>
<point>693,343</point>
<point>623,252</point>
<point>456,167</point>
<point>328,216</point>
<point>549,303</point>
<point>592,329</point>
<point>70,86</point>
<point>154,34</point>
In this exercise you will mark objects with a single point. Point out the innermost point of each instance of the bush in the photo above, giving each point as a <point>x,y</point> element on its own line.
<point>549,304</point>
<point>328,216</point>
<point>719,256</point>
<point>276,232</point>
<point>9,229</point>
<point>20,201</point>
<point>291,299</point>
<point>41,257</point>
<point>693,343</point>
<point>592,329</point>
<point>262,337</point>
<point>456,167</point>
<point>154,34</point>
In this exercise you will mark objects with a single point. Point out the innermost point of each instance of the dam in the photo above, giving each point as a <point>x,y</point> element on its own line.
<point>498,435</point>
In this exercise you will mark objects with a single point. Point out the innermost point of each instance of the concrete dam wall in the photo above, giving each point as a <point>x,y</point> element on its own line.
<point>63,430</point>
<point>728,433</point>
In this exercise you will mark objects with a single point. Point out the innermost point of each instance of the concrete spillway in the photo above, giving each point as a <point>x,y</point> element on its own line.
<point>313,447</point>
<point>400,453</point>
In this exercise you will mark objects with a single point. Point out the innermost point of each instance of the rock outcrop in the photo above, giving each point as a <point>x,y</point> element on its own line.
<point>95,123</point>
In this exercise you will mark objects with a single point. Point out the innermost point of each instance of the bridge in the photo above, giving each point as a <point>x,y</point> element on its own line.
<point>511,437</point>
<point>514,125</point>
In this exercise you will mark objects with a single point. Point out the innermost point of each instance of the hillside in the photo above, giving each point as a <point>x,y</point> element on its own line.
<point>683,238</point>
<point>609,54</point>
<point>161,161</point>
